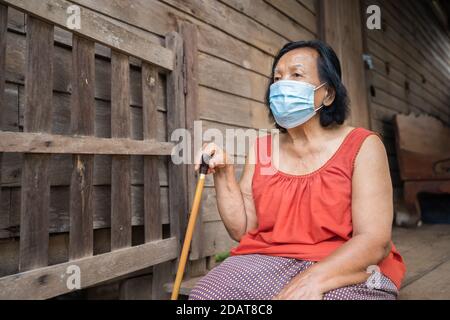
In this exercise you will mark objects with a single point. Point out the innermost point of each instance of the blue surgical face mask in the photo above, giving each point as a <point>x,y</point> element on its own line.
<point>292,102</point>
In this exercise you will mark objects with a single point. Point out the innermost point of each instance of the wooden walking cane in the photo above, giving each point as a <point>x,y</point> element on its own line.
<point>190,229</point>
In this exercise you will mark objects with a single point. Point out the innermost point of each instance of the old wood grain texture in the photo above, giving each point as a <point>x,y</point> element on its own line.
<point>44,283</point>
<point>59,215</point>
<point>147,286</point>
<point>82,122</point>
<point>157,18</point>
<point>188,31</point>
<point>152,209</point>
<point>273,14</point>
<point>15,64</point>
<point>64,144</point>
<point>120,171</point>
<point>101,29</point>
<point>311,5</point>
<point>3,28</point>
<point>342,30</point>
<point>38,113</point>
<point>403,77</point>
<point>176,118</point>
<point>408,65</point>
<point>137,288</point>
<point>297,12</point>
<point>165,272</point>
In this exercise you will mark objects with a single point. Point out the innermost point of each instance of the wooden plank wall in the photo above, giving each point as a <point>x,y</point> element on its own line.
<point>236,42</point>
<point>60,168</point>
<point>411,55</point>
<point>39,143</point>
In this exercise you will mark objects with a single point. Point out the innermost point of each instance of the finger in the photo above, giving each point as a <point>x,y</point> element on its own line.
<point>211,148</point>
<point>199,154</point>
<point>220,165</point>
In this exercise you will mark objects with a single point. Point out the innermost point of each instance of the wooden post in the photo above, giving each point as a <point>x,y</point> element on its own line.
<point>120,173</point>
<point>341,29</point>
<point>37,118</point>
<point>189,34</point>
<point>82,123</point>
<point>3,29</point>
<point>176,118</point>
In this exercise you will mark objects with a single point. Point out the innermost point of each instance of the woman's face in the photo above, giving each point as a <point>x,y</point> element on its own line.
<point>301,65</point>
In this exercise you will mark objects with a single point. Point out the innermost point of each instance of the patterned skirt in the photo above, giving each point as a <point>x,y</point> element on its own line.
<point>261,277</point>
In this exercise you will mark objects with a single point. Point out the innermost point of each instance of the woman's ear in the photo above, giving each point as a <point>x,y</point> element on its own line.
<point>330,94</point>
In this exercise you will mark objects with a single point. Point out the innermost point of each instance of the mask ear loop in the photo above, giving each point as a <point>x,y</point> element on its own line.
<point>321,105</point>
<point>318,87</point>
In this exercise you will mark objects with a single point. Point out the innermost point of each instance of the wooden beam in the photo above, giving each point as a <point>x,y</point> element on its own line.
<point>53,143</point>
<point>99,28</point>
<point>37,117</point>
<point>82,122</point>
<point>51,281</point>
<point>120,169</point>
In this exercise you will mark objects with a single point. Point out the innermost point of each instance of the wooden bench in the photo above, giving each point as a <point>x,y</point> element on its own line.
<point>423,151</point>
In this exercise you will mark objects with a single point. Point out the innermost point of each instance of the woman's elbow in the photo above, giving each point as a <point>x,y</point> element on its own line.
<point>383,249</point>
<point>237,234</point>
<point>236,237</point>
<point>387,248</point>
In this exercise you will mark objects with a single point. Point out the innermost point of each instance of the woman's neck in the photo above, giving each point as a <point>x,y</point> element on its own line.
<point>306,133</point>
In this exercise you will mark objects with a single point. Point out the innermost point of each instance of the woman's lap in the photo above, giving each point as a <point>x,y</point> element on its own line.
<point>261,277</point>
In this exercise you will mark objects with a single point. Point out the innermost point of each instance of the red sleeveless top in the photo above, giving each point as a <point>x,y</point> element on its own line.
<point>308,216</point>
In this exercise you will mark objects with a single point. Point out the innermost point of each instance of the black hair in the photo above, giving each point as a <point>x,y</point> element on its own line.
<point>329,69</point>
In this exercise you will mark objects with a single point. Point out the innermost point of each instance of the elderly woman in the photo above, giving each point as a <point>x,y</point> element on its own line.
<point>313,215</point>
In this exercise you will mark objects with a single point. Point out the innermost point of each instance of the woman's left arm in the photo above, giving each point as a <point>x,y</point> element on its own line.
<point>372,215</point>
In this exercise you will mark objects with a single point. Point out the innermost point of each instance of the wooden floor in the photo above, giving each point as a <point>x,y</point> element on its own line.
<point>426,251</point>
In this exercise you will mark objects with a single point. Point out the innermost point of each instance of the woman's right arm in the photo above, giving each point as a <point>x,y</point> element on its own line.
<point>234,199</point>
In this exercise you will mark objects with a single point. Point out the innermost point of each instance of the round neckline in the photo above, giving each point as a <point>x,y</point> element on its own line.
<point>278,171</point>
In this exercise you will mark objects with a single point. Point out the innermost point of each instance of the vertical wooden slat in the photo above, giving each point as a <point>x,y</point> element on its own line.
<point>3,27</point>
<point>120,173</point>
<point>37,118</point>
<point>164,272</point>
<point>176,119</point>
<point>152,210</point>
<point>82,123</point>
<point>189,34</point>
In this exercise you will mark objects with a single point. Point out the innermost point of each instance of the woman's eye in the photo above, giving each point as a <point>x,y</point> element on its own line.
<point>276,79</point>
<point>297,75</point>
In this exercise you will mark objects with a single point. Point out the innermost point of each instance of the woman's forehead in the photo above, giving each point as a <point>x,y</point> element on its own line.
<point>300,57</point>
